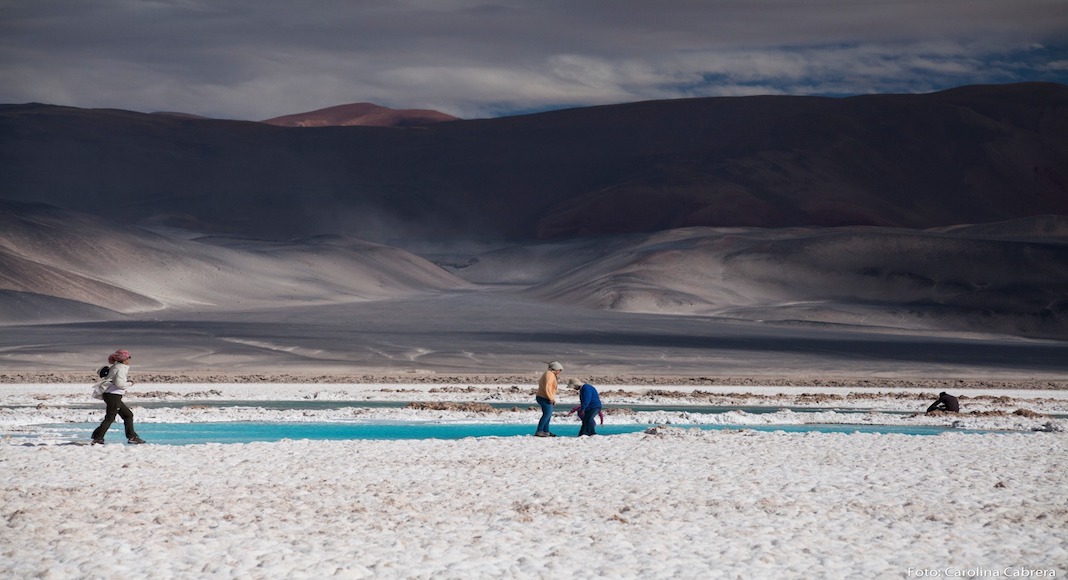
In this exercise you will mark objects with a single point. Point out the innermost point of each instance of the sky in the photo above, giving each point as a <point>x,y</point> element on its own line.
<point>257,59</point>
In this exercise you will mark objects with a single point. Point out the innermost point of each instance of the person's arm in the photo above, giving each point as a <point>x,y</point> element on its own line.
<point>601,415</point>
<point>550,388</point>
<point>118,376</point>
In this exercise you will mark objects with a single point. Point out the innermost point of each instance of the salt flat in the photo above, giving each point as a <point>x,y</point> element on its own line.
<point>669,503</point>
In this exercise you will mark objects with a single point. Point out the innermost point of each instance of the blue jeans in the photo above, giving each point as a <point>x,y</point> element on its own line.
<point>546,413</point>
<point>589,421</point>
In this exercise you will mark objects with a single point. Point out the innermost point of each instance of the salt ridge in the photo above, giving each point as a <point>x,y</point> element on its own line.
<point>26,407</point>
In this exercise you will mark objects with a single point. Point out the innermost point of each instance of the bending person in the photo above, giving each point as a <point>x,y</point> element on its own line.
<point>577,409</point>
<point>945,402</point>
<point>589,406</point>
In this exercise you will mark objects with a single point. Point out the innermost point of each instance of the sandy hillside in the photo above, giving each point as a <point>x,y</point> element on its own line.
<point>1007,278</point>
<point>974,302</point>
<point>77,257</point>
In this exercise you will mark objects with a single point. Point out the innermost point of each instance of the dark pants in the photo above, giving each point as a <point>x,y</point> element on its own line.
<point>115,406</point>
<point>589,421</point>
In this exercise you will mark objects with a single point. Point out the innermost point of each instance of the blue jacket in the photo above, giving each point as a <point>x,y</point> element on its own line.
<point>588,398</point>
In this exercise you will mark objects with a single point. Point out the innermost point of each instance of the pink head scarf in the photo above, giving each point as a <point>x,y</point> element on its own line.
<point>119,356</point>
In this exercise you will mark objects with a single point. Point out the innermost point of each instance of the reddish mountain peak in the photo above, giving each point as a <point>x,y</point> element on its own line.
<point>365,114</point>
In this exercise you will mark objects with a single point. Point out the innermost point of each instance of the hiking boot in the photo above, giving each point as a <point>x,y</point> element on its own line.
<point>547,434</point>
<point>97,442</point>
<point>542,434</point>
<point>135,440</point>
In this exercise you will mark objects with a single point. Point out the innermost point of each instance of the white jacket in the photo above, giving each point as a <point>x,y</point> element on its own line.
<point>116,381</point>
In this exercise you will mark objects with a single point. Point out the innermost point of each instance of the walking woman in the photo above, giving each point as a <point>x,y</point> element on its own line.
<point>114,387</point>
<point>546,398</point>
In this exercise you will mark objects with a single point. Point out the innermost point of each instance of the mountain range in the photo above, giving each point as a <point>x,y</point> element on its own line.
<point>789,234</point>
<point>969,155</point>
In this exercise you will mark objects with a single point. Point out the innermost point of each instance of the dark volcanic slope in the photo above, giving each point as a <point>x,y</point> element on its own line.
<point>976,154</point>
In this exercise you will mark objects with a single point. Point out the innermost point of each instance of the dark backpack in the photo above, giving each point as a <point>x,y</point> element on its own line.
<point>103,372</point>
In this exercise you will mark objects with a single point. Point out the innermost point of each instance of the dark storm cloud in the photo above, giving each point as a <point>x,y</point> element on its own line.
<point>254,59</point>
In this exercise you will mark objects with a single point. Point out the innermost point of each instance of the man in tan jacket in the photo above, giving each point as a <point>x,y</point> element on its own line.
<point>546,397</point>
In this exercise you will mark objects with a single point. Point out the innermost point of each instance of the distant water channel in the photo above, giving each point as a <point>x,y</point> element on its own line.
<point>258,431</point>
<point>253,431</point>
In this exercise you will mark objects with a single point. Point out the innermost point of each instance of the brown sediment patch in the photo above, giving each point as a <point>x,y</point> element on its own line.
<point>656,394</point>
<point>1003,400</point>
<point>1017,413</point>
<point>885,395</point>
<point>817,398</point>
<point>940,413</point>
<point>133,394</point>
<point>451,406</point>
<point>454,389</point>
<point>1028,413</point>
<point>471,389</point>
<point>619,411</point>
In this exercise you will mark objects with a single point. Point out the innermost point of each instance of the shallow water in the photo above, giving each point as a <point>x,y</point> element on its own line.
<point>252,431</point>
